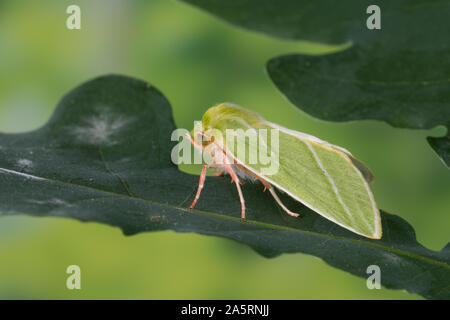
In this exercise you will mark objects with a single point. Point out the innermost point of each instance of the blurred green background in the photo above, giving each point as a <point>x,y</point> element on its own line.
<point>196,61</point>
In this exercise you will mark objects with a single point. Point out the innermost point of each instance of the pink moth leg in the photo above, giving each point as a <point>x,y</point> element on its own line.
<point>202,179</point>
<point>238,187</point>
<point>275,196</point>
<point>201,183</point>
<point>272,192</point>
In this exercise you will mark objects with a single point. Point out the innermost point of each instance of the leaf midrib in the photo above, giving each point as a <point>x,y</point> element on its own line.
<point>256,223</point>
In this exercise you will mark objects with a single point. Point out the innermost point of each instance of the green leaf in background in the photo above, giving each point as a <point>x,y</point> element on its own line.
<point>398,87</point>
<point>399,74</point>
<point>402,21</point>
<point>104,156</point>
<point>338,87</point>
<point>442,147</point>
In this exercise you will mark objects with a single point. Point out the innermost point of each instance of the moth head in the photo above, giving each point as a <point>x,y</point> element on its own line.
<point>205,135</point>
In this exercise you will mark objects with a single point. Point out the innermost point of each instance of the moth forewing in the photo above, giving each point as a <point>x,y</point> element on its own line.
<point>377,230</point>
<point>324,177</point>
<point>355,208</point>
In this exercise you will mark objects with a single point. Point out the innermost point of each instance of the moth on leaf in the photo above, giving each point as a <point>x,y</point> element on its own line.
<point>324,177</point>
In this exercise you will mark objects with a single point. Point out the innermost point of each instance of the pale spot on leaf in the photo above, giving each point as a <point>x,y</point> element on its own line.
<point>101,128</point>
<point>24,163</point>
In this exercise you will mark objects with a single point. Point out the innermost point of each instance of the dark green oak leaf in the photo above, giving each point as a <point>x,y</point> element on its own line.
<point>400,88</point>
<point>104,156</point>
<point>442,147</point>
<point>399,74</point>
<point>403,22</point>
<point>339,87</point>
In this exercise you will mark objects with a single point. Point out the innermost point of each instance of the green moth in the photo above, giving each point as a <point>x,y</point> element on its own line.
<point>324,177</point>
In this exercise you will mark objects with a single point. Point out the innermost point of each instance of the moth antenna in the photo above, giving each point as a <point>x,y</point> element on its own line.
<point>277,199</point>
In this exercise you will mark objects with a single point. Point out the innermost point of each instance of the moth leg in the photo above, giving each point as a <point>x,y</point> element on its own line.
<point>265,184</point>
<point>275,196</point>
<point>238,187</point>
<point>201,183</point>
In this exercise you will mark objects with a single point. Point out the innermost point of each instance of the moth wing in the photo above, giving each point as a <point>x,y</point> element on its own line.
<point>324,177</point>
<point>365,171</point>
<point>327,179</point>
<point>367,174</point>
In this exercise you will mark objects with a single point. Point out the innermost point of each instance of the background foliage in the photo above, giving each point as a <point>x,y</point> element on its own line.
<point>171,45</point>
<point>398,74</point>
